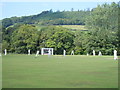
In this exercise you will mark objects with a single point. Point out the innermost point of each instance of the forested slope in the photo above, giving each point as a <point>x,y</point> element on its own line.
<point>50,18</point>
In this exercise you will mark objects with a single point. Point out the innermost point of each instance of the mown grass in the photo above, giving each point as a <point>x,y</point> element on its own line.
<point>71,27</point>
<point>23,71</point>
<point>75,27</point>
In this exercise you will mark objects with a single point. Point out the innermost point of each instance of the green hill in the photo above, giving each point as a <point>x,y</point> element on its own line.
<point>50,18</point>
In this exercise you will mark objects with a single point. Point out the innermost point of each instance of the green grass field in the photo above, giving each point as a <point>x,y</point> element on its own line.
<point>23,71</point>
<point>77,27</point>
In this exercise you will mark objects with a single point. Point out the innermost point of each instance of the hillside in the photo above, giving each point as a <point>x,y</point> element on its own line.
<point>50,18</point>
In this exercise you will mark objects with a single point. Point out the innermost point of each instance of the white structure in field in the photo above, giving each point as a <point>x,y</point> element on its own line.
<point>115,55</point>
<point>5,52</point>
<point>93,52</point>
<point>47,51</point>
<point>64,53</point>
<point>100,54</point>
<point>37,53</point>
<point>0,54</point>
<point>29,52</point>
<point>72,53</point>
<point>87,54</point>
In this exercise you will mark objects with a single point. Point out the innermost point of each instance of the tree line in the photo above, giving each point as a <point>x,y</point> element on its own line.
<point>102,34</point>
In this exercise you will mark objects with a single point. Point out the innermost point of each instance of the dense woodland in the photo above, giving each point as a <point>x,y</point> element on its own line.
<point>44,30</point>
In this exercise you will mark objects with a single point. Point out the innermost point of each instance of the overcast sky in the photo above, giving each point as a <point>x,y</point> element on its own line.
<point>18,8</point>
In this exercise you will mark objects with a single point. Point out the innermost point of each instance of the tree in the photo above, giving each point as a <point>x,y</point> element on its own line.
<point>103,23</point>
<point>7,22</point>
<point>72,9</point>
<point>5,45</point>
<point>24,38</point>
<point>81,42</point>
